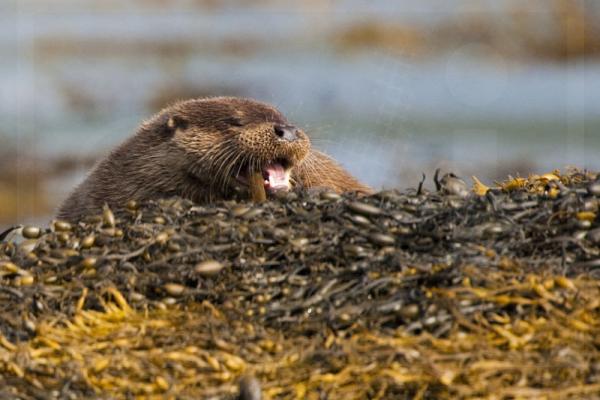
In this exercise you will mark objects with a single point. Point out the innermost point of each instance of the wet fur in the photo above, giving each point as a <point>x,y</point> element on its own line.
<point>193,149</point>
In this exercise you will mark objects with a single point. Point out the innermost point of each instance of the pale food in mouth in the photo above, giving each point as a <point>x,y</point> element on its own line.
<point>257,188</point>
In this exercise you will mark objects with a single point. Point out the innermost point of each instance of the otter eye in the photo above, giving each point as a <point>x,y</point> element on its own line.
<point>233,121</point>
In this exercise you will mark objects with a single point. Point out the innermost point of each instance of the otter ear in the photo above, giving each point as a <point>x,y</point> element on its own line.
<point>170,124</point>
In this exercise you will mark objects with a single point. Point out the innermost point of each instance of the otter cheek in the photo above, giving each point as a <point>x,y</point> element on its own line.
<point>277,178</point>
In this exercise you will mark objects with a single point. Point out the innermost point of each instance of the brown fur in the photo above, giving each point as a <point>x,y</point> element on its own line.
<point>194,149</point>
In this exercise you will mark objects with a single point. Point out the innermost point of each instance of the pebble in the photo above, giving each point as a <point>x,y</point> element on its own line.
<point>453,185</point>
<point>62,226</point>
<point>360,220</point>
<point>594,189</point>
<point>253,213</point>
<point>31,232</point>
<point>249,388</point>
<point>331,196</point>
<point>364,209</point>
<point>89,262</point>
<point>88,241</point>
<point>208,268</point>
<point>108,218</point>
<point>132,205</point>
<point>299,243</point>
<point>174,289</point>
<point>382,239</point>
<point>239,210</point>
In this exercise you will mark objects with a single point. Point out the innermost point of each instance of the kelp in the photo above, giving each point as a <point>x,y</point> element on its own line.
<point>483,292</point>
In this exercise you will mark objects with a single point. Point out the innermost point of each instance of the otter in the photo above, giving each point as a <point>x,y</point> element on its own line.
<point>205,150</point>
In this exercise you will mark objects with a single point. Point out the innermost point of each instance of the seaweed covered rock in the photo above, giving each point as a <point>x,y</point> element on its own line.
<point>446,294</point>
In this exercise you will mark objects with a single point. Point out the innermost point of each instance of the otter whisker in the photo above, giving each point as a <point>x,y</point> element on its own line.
<point>235,162</point>
<point>315,166</point>
<point>214,159</point>
<point>231,163</point>
<point>219,163</point>
<point>243,162</point>
<point>218,178</point>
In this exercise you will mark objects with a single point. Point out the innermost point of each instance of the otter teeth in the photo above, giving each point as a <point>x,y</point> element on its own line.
<point>277,177</point>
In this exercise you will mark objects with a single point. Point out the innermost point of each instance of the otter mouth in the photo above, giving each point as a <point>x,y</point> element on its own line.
<point>276,175</point>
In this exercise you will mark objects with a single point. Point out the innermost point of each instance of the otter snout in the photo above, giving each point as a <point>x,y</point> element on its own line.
<point>287,132</point>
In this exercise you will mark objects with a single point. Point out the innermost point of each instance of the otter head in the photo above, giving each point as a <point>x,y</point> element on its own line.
<point>223,140</point>
<point>205,150</point>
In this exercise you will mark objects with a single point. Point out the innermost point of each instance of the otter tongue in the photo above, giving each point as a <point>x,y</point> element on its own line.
<point>278,178</point>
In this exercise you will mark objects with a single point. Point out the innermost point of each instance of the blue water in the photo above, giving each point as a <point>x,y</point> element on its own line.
<point>386,117</point>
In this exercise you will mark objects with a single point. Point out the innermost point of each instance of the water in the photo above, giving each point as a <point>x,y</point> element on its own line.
<point>386,117</point>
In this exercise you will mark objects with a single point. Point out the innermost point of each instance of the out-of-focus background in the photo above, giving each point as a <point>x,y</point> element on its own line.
<point>389,88</point>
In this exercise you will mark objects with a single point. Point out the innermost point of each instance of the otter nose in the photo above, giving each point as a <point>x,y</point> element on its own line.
<point>286,132</point>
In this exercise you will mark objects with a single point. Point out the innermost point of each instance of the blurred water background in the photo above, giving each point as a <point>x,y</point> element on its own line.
<point>391,89</point>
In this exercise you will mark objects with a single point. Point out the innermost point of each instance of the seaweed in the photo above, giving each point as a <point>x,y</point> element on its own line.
<point>482,292</point>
